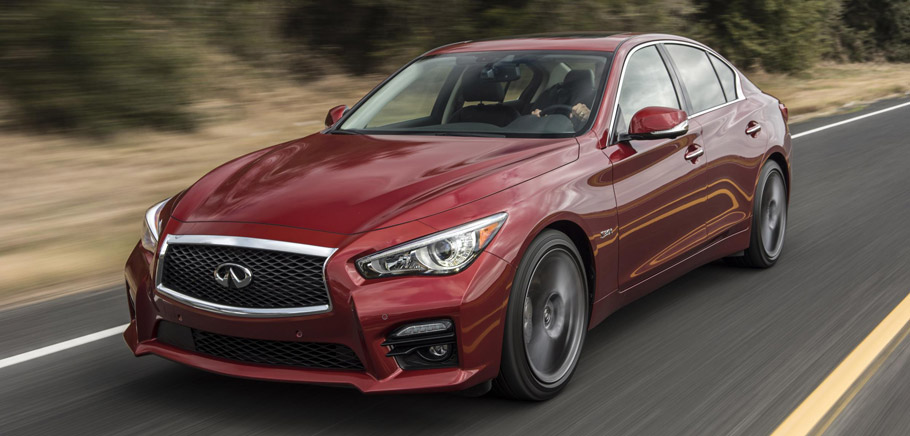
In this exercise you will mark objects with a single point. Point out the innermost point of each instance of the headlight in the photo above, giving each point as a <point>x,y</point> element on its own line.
<point>446,252</point>
<point>151,226</point>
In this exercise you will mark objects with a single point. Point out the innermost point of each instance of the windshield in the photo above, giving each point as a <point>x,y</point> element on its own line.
<point>503,93</point>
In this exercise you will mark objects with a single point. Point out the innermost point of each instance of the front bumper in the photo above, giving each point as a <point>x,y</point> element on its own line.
<point>362,316</point>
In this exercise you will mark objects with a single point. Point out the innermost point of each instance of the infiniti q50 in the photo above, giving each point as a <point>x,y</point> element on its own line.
<point>469,220</point>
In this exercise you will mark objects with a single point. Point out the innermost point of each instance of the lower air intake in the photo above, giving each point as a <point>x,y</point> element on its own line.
<point>265,352</point>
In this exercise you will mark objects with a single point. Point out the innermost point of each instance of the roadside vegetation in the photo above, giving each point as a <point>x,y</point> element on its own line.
<point>99,66</point>
<point>108,106</point>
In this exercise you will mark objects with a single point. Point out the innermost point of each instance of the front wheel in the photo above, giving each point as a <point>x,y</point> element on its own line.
<point>546,320</point>
<point>769,219</point>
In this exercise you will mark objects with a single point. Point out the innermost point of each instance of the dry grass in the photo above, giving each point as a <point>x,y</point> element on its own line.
<point>831,88</point>
<point>72,206</point>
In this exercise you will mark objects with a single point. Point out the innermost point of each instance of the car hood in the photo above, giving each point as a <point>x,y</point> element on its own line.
<point>355,183</point>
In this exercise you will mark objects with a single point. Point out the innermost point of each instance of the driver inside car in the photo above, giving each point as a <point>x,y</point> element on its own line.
<point>580,112</point>
<point>570,96</point>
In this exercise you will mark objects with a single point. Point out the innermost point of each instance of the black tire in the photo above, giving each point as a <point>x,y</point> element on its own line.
<point>769,208</point>
<point>520,375</point>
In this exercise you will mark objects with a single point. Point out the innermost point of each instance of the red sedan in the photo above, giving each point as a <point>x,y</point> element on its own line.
<point>468,221</point>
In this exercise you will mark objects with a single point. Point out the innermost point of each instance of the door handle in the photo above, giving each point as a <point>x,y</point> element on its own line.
<point>753,128</point>
<point>695,154</point>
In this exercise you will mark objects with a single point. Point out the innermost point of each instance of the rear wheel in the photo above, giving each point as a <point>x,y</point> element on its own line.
<point>546,320</point>
<point>769,219</point>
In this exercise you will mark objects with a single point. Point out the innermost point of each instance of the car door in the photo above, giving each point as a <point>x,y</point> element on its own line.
<point>659,184</point>
<point>726,120</point>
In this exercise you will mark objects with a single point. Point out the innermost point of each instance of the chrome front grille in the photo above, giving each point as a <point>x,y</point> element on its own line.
<point>286,279</point>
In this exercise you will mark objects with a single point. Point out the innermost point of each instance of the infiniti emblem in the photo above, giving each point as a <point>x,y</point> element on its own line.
<point>231,275</point>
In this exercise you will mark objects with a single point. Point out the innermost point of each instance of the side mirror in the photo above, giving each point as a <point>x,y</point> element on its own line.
<point>335,114</point>
<point>657,123</point>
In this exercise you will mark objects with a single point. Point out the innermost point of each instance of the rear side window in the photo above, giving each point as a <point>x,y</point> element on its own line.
<point>727,77</point>
<point>698,76</point>
<point>646,82</point>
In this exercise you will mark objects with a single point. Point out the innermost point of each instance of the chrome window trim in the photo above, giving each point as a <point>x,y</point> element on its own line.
<point>255,243</point>
<point>622,75</point>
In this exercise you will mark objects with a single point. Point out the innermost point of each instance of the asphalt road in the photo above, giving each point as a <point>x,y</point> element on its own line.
<point>719,351</point>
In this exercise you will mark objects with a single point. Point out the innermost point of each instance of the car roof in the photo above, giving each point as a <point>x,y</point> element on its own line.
<point>587,41</point>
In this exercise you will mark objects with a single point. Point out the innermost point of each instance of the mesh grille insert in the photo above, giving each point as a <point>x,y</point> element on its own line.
<point>279,279</point>
<point>302,354</point>
<point>298,354</point>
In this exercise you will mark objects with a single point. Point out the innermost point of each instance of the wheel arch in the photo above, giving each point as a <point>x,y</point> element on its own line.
<point>778,157</point>
<point>578,236</point>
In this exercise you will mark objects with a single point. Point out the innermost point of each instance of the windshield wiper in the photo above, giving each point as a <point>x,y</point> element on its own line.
<point>476,134</point>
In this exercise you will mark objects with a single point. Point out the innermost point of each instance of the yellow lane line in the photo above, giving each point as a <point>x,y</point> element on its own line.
<point>828,400</point>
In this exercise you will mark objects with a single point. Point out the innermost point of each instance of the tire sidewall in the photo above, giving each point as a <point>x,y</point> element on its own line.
<point>757,241</point>
<point>515,369</point>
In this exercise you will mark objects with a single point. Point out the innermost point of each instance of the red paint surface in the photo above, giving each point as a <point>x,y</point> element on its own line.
<point>654,119</point>
<point>334,115</point>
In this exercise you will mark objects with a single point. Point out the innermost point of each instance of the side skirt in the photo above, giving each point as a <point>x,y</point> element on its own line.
<point>716,250</point>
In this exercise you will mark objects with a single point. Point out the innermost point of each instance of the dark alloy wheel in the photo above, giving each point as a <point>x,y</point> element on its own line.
<point>769,220</point>
<point>546,321</point>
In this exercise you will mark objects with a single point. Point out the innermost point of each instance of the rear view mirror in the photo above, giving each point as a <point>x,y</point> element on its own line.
<point>501,72</point>
<point>657,123</point>
<point>335,114</point>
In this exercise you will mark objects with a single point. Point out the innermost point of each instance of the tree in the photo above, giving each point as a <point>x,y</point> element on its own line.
<point>875,28</point>
<point>80,65</point>
<point>778,35</point>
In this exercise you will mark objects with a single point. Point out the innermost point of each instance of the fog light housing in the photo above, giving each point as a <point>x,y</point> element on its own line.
<point>435,353</point>
<point>423,345</point>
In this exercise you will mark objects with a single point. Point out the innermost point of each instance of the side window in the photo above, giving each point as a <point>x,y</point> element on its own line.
<point>727,77</point>
<point>519,86</point>
<point>698,76</point>
<point>646,82</point>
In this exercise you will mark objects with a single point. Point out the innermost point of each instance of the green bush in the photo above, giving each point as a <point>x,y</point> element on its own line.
<point>102,65</point>
<point>876,28</point>
<point>87,66</point>
<point>247,29</point>
<point>778,35</point>
<point>370,35</point>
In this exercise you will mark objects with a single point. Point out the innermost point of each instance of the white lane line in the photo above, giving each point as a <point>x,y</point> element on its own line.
<point>51,349</point>
<point>850,120</point>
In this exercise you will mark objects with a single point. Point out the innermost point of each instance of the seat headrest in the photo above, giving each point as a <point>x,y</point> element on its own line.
<point>580,78</point>
<point>473,88</point>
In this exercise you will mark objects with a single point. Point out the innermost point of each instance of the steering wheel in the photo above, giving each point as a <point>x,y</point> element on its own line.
<point>557,109</point>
